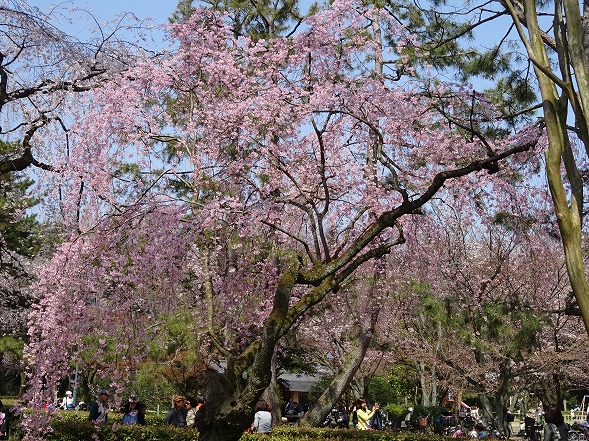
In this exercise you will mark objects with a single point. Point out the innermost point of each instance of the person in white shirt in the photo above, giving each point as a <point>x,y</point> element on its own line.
<point>191,410</point>
<point>68,401</point>
<point>262,419</point>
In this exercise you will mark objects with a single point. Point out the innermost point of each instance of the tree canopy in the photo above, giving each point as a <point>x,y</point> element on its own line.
<point>300,159</point>
<point>270,172</point>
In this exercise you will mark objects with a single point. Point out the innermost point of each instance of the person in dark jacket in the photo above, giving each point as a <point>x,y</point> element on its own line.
<point>555,429</point>
<point>99,408</point>
<point>176,416</point>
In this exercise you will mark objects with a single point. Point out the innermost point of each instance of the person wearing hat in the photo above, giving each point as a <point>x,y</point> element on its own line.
<point>176,416</point>
<point>134,412</point>
<point>99,408</point>
<point>68,401</point>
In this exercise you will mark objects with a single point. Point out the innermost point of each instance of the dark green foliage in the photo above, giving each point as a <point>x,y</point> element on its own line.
<point>395,412</point>
<point>10,357</point>
<point>20,242</point>
<point>396,387</point>
<point>260,19</point>
<point>515,326</point>
<point>402,380</point>
<point>257,19</point>
<point>318,388</point>
<point>379,390</point>
<point>449,42</point>
<point>295,434</point>
<point>19,230</point>
<point>183,11</point>
<point>295,356</point>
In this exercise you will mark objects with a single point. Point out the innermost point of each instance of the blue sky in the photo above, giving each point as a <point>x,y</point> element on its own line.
<point>103,11</point>
<point>108,9</point>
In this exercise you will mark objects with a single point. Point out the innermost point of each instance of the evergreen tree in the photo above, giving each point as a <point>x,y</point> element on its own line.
<point>20,241</point>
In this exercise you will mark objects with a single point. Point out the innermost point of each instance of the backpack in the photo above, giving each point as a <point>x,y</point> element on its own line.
<point>555,432</point>
<point>376,421</point>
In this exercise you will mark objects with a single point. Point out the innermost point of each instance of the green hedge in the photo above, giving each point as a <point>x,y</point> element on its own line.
<point>71,429</point>
<point>77,430</point>
<point>74,426</point>
<point>152,419</point>
<point>290,433</point>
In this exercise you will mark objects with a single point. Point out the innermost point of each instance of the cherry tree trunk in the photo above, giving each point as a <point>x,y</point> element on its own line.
<point>223,416</point>
<point>327,401</point>
<point>270,396</point>
<point>501,398</point>
<point>231,395</point>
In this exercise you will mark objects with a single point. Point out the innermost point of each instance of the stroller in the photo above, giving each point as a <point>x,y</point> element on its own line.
<point>532,429</point>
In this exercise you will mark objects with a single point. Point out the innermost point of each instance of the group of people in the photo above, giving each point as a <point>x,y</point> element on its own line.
<point>185,409</point>
<point>183,413</point>
<point>133,411</point>
<point>556,429</point>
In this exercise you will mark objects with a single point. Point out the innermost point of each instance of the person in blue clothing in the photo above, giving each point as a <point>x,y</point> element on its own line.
<point>176,416</point>
<point>134,412</point>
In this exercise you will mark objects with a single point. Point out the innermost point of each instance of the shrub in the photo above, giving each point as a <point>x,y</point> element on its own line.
<point>71,429</point>
<point>395,411</point>
<point>74,426</point>
<point>289,433</point>
<point>76,430</point>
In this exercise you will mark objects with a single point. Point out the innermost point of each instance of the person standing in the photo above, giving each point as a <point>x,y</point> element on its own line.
<point>99,408</point>
<point>376,419</point>
<point>176,416</point>
<point>354,418</point>
<point>364,414</point>
<point>262,418</point>
<point>134,412</point>
<point>555,429</point>
<point>191,409</point>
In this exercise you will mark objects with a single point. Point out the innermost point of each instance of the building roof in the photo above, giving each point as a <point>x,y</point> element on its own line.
<point>299,382</point>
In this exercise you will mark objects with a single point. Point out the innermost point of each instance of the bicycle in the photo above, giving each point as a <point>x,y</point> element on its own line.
<point>576,435</point>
